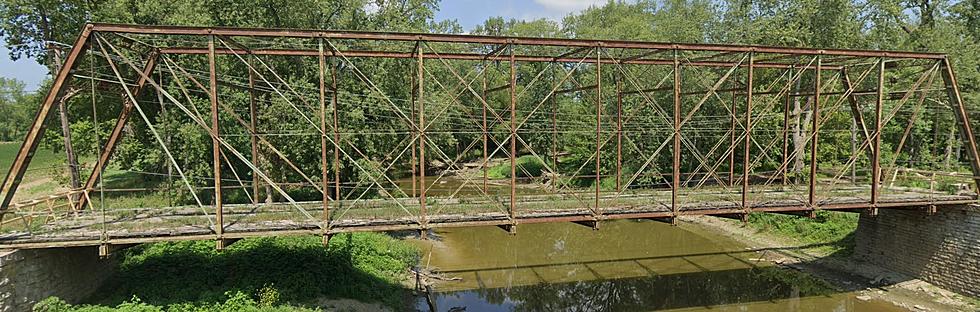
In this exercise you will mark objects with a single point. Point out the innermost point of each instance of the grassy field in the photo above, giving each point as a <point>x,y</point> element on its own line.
<point>43,158</point>
<point>42,176</point>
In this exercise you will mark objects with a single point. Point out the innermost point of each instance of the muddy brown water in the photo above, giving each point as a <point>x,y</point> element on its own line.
<point>627,265</point>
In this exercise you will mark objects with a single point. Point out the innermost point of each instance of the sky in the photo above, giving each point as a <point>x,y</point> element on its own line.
<point>467,13</point>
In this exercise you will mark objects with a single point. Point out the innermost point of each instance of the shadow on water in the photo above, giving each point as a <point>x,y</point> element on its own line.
<point>299,269</point>
<point>626,266</point>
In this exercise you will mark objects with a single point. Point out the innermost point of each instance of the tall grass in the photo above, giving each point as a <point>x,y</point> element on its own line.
<point>832,229</point>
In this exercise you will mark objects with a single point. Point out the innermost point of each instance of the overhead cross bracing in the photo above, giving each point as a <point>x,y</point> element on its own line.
<point>321,132</point>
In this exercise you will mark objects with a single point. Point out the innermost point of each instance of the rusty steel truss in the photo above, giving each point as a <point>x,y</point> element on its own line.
<point>675,129</point>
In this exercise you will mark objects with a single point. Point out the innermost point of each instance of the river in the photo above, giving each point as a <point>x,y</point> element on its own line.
<point>626,266</point>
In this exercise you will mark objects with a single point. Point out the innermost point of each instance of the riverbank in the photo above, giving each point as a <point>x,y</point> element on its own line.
<point>825,252</point>
<point>358,272</point>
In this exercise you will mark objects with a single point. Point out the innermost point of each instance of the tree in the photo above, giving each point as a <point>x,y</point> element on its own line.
<point>16,107</point>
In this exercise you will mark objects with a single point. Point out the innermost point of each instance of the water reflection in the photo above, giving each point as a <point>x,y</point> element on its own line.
<point>626,266</point>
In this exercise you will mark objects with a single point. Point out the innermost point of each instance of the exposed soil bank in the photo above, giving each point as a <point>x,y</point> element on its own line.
<point>869,281</point>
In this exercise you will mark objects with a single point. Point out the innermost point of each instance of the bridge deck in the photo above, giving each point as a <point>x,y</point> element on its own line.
<point>130,226</point>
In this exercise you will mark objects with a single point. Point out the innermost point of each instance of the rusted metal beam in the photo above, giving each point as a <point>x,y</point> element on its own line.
<point>219,226</point>
<point>324,165</point>
<point>876,154</point>
<point>253,123</point>
<point>423,210</point>
<point>748,135</point>
<point>598,129</point>
<point>674,205</point>
<point>483,129</point>
<point>619,133</point>
<point>412,132</point>
<point>731,156</point>
<point>473,57</point>
<point>512,212</point>
<point>456,38</point>
<point>785,160</point>
<point>815,127</point>
<point>334,99</point>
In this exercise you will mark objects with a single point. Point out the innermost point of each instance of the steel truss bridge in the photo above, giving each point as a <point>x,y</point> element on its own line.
<point>323,132</point>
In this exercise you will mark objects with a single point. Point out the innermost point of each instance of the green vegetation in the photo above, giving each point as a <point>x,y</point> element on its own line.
<point>16,107</point>
<point>834,229</point>
<point>527,166</point>
<point>237,301</point>
<point>262,274</point>
<point>44,159</point>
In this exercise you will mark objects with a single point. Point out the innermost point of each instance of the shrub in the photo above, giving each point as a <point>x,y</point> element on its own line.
<point>527,166</point>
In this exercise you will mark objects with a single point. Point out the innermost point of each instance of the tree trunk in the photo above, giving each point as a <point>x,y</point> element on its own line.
<point>799,130</point>
<point>66,127</point>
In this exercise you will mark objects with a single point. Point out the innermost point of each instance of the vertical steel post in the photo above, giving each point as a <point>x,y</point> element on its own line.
<point>483,94</point>
<point>677,135</point>
<point>253,124</point>
<point>731,157</point>
<point>619,133</point>
<point>336,131</point>
<point>216,149</point>
<point>876,153</point>
<point>748,134</point>
<point>966,131</point>
<point>598,125</point>
<point>554,136</point>
<point>414,99</point>
<point>324,171</point>
<point>788,99</point>
<point>853,150</point>
<point>513,136</point>
<point>421,126</point>
<point>812,197</point>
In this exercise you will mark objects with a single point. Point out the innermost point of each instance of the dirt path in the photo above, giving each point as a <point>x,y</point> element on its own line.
<point>867,281</point>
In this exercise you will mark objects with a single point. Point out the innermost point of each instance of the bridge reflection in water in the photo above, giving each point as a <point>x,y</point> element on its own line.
<point>628,266</point>
<point>481,130</point>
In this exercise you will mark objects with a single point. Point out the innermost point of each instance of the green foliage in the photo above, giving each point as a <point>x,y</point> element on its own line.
<point>293,270</point>
<point>16,107</point>
<point>237,301</point>
<point>833,228</point>
<point>527,166</point>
